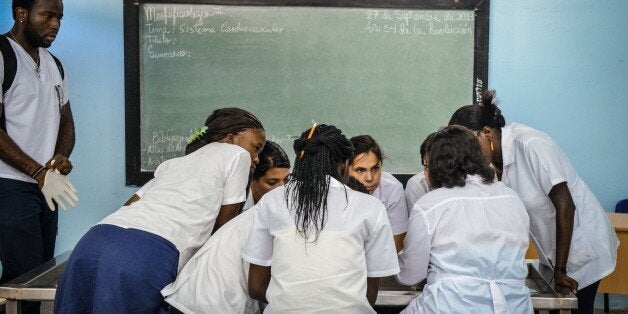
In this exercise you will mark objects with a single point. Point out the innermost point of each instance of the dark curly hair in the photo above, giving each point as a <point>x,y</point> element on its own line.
<point>308,184</point>
<point>476,117</point>
<point>272,156</point>
<point>223,122</point>
<point>454,153</point>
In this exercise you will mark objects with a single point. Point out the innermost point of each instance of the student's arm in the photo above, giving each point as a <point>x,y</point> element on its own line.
<point>415,257</point>
<point>65,142</point>
<point>372,287</point>
<point>565,208</point>
<point>13,155</point>
<point>399,241</point>
<point>134,198</point>
<point>226,213</point>
<point>259,277</point>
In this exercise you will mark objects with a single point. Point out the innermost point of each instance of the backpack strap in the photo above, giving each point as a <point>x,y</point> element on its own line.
<point>10,67</point>
<point>59,66</point>
<point>10,63</point>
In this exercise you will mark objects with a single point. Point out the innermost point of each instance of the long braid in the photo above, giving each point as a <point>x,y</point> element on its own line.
<point>309,183</point>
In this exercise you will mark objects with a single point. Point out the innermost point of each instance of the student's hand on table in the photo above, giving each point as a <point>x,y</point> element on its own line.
<point>60,163</point>
<point>58,188</point>
<point>564,284</point>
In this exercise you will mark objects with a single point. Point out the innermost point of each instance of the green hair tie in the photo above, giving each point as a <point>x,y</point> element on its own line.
<point>197,134</point>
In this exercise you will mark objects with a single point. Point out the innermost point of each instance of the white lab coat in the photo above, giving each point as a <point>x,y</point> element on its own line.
<point>328,275</point>
<point>183,200</point>
<point>470,243</point>
<point>390,192</point>
<point>533,164</point>
<point>415,188</point>
<point>215,280</point>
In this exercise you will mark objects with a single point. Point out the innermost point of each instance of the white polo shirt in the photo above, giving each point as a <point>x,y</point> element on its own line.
<point>32,107</point>
<point>328,275</point>
<point>183,200</point>
<point>533,164</point>
<point>390,192</point>
<point>415,188</point>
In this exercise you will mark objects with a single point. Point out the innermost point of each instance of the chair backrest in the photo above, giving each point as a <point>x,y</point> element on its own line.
<point>622,206</point>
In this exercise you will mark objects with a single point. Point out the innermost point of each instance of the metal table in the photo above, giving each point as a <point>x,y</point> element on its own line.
<point>40,284</point>
<point>391,294</point>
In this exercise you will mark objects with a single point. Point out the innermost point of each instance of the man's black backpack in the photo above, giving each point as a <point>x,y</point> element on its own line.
<point>10,67</point>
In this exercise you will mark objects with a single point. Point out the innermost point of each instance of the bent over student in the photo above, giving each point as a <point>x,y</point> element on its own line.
<point>215,280</point>
<point>123,262</point>
<point>327,244</point>
<point>468,236</point>
<point>568,225</point>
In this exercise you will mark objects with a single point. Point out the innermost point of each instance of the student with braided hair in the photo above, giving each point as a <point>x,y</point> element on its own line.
<point>326,243</point>
<point>123,262</point>
<point>567,223</point>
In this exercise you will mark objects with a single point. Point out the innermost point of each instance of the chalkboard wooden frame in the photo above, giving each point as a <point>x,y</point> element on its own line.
<point>134,174</point>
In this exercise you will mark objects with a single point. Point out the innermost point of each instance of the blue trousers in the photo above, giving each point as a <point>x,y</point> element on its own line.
<point>28,230</point>
<point>117,270</point>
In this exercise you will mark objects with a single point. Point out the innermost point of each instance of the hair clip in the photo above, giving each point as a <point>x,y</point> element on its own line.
<point>196,134</point>
<point>309,136</point>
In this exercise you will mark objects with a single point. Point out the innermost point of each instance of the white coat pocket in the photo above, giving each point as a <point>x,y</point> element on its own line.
<point>581,251</point>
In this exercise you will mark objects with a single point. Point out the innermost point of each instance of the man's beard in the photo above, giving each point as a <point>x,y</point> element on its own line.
<point>33,38</point>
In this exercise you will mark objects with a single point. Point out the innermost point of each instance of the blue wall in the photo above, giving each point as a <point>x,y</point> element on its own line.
<point>561,67</point>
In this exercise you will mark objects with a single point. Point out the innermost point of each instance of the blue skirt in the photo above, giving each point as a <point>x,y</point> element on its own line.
<point>117,270</point>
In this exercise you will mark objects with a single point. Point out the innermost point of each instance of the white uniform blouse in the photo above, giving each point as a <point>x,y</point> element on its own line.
<point>182,202</point>
<point>329,275</point>
<point>533,164</point>
<point>215,280</point>
<point>470,243</point>
<point>390,192</point>
<point>415,188</point>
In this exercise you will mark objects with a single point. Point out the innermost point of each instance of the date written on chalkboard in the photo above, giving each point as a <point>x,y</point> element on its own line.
<point>434,23</point>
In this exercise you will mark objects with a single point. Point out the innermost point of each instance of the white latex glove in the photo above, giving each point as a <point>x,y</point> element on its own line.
<point>57,187</point>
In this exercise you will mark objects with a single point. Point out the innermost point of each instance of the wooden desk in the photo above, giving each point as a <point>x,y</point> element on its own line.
<point>617,281</point>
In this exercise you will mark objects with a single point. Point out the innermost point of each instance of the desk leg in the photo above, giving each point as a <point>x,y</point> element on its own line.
<point>564,311</point>
<point>13,307</point>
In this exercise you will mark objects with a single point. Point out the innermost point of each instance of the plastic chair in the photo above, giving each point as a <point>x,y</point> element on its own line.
<point>622,206</point>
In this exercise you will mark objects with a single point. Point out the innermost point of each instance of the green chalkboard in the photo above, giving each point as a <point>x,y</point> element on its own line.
<point>396,73</point>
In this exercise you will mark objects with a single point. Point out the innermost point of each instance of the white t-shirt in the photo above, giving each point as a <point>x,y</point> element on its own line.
<point>215,280</point>
<point>462,238</point>
<point>329,275</point>
<point>183,200</point>
<point>415,188</point>
<point>533,164</point>
<point>390,192</point>
<point>32,108</point>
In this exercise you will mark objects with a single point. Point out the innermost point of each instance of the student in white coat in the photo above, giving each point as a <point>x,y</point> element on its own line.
<point>215,280</point>
<point>417,185</point>
<point>568,225</point>
<point>366,166</point>
<point>327,244</point>
<point>468,236</point>
<point>121,264</point>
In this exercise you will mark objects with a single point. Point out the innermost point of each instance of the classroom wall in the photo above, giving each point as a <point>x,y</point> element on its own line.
<point>558,66</point>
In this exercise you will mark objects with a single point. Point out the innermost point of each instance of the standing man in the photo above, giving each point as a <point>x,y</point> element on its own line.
<point>36,138</point>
